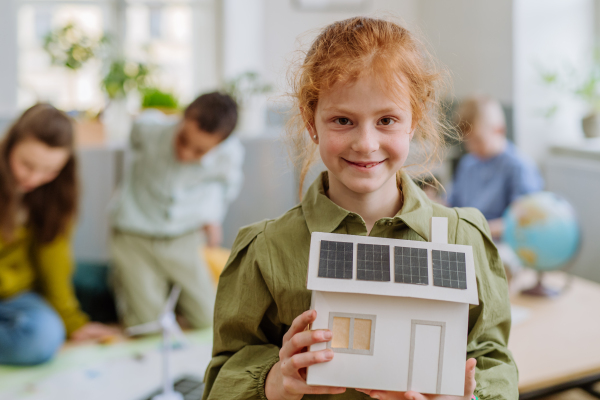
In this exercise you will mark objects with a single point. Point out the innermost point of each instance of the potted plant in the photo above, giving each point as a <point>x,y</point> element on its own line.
<point>71,48</point>
<point>122,77</point>
<point>585,87</point>
<point>153,97</point>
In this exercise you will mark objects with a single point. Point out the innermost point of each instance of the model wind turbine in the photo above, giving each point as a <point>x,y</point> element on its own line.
<point>167,324</point>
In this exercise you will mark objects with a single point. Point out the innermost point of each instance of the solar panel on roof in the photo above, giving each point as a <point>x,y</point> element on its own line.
<point>410,265</point>
<point>335,260</point>
<point>449,269</point>
<point>373,262</point>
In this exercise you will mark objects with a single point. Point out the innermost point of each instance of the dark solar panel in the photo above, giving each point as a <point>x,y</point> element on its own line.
<point>449,269</point>
<point>335,260</point>
<point>410,265</point>
<point>373,262</point>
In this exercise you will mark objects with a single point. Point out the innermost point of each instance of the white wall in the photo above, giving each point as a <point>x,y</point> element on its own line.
<point>206,50</point>
<point>243,36</point>
<point>473,39</point>
<point>284,24</point>
<point>8,66</point>
<point>551,34</point>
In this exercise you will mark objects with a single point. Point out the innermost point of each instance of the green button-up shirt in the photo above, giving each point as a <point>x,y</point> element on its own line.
<point>263,288</point>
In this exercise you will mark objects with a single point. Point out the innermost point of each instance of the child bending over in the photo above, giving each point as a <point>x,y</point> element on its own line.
<point>176,193</point>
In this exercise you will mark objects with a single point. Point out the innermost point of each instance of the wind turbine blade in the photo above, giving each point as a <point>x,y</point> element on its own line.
<point>172,301</point>
<point>144,328</point>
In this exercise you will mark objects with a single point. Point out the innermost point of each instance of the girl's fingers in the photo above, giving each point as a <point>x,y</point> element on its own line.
<point>470,382</point>
<point>298,387</point>
<point>291,365</point>
<point>412,395</point>
<point>324,390</point>
<point>385,395</point>
<point>301,340</point>
<point>299,324</point>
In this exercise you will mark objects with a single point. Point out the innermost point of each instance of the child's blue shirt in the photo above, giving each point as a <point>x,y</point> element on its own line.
<point>162,197</point>
<point>492,185</point>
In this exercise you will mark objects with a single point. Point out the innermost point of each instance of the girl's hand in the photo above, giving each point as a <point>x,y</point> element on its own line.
<point>95,331</point>
<point>412,395</point>
<point>287,378</point>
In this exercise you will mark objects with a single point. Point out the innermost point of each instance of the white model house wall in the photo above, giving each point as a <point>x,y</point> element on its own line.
<point>388,367</point>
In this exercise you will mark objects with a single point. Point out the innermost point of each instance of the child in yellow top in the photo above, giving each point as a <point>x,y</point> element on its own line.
<point>364,91</point>
<point>38,200</point>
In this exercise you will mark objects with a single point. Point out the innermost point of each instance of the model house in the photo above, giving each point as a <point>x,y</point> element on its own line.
<point>398,310</point>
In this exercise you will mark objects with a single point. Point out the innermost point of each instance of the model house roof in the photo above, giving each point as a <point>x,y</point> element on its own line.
<point>392,267</point>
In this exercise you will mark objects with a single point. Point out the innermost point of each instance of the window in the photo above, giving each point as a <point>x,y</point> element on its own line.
<point>352,333</point>
<point>174,37</point>
<point>410,265</point>
<point>38,80</point>
<point>161,34</point>
<point>449,269</point>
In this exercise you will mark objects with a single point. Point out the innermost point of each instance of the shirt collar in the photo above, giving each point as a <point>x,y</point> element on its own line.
<point>323,215</point>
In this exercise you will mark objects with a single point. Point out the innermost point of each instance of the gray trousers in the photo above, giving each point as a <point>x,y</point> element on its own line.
<point>144,268</point>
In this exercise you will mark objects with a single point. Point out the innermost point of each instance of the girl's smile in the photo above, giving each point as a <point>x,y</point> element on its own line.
<point>364,165</point>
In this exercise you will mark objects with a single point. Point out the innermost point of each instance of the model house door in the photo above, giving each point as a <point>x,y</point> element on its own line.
<point>426,356</point>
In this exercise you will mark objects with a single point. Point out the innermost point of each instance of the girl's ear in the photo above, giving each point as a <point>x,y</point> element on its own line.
<point>310,127</point>
<point>412,133</point>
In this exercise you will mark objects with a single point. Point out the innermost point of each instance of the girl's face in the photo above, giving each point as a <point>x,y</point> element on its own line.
<point>363,135</point>
<point>34,163</point>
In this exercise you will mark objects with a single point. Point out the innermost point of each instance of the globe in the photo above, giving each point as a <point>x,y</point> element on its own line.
<point>542,230</point>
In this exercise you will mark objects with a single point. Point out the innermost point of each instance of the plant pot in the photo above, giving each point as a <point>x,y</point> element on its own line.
<point>117,121</point>
<point>253,116</point>
<point>591,125</point>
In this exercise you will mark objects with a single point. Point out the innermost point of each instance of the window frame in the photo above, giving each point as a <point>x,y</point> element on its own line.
<point>352,317</point>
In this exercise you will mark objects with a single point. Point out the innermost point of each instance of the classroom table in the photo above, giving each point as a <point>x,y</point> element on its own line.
<point>557,347</point>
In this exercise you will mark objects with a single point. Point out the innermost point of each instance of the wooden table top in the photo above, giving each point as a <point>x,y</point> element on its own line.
<point>560,340</point>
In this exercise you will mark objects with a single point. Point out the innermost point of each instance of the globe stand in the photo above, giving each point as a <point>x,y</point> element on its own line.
<point>539,290</point>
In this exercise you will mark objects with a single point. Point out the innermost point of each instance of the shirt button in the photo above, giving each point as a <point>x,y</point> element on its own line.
<point>389,223</point>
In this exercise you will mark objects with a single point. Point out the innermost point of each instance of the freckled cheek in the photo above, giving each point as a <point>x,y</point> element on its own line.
<point>397,150</point>
<point>333,147</point>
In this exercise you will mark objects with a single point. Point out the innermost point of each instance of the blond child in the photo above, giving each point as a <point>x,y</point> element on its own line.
<point>494,173</point>
<point>362,94</point>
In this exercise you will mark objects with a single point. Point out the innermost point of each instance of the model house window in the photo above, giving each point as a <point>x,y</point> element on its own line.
<point>352,333</point>
<point>449,269</point>
<point>373,262</point>
<point>335,260</point>
<point>410,265</point>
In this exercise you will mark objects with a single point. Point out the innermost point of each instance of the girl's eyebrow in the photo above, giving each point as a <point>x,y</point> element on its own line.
<point>341,110</point>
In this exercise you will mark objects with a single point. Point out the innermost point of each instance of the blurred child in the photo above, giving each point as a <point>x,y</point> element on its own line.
<point>38,203</point>
<point>364,91</point>
<point>174,196</point>
<point>494,173</point>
